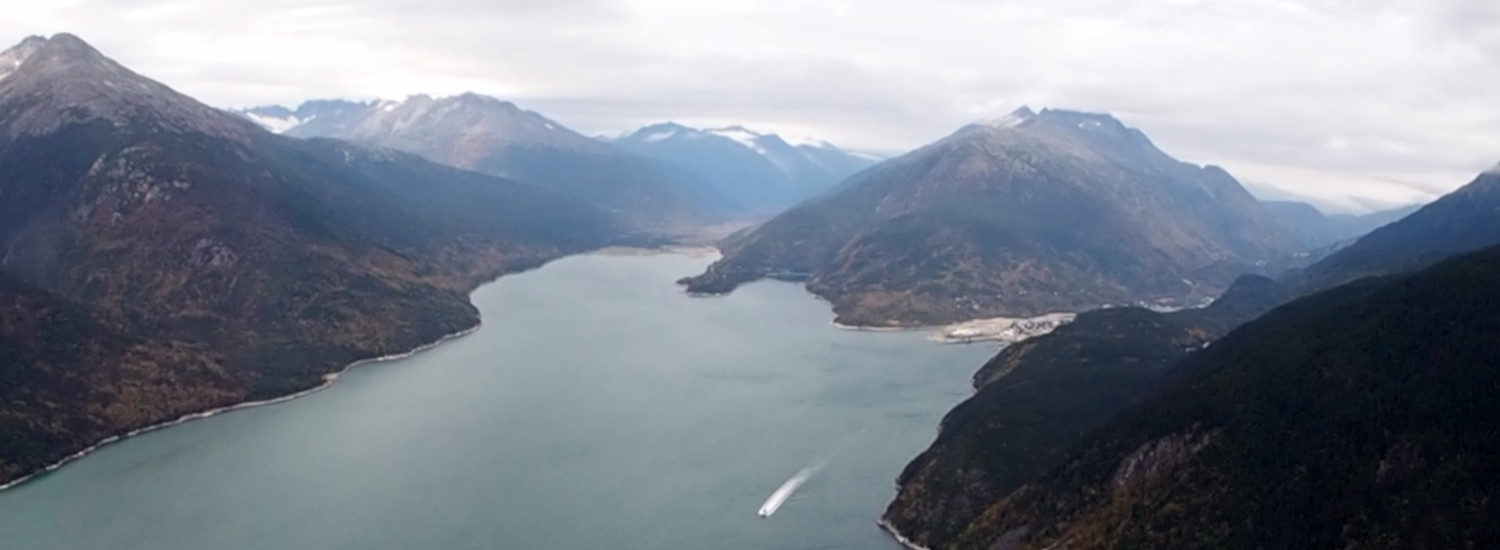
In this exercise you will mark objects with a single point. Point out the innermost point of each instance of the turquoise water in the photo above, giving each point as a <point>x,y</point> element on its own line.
<point>598,407</point>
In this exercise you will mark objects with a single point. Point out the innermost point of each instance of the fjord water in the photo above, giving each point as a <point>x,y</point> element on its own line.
<point>598,407</point>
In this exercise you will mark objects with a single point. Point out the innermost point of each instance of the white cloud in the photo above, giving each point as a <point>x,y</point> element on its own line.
<point>1355,102</point>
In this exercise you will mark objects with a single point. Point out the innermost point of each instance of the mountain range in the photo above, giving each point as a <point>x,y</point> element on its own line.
<point>1315,229</point>
<point>484,134</point>
<point>763,173</point>
<point>160,257</point>
<point>1034,213</point>
<point>1038,401</point>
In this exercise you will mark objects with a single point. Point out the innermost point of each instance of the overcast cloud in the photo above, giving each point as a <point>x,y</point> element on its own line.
<point>1356,103</point>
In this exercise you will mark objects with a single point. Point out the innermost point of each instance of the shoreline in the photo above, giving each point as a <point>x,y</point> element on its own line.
<point>332,377</point>
<point>878,328</point>
<point>328,381</point>
<point>668,250</point>
<point>896,534</point>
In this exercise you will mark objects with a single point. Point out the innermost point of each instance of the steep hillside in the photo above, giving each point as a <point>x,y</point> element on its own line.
<point>1037,213</point>
<point>485,134</point>
<point>763,173</point>
<point>1360,417</point>
<point>68,379</point>
<point>1038,398</point>
<point>177,225</point>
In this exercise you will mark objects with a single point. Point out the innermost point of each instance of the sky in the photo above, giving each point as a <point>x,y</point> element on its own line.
<point>1352,104</point>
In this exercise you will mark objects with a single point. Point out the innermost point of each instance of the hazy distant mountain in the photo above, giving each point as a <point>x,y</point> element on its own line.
<point>1464,220</point>
<point>311,119</point>
<point>482,133</point>
<point>762,172</point>
<point>159,256</point>
<point>1034,213</point>
<point>1315,229</point>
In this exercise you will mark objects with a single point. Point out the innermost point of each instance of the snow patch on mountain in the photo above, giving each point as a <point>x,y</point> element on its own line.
<point>660,135</point>
<point>275,124</point>
<point>1012,120</point>
<point>737,133</point>
<point>804,141</point>
<point>11,59</point>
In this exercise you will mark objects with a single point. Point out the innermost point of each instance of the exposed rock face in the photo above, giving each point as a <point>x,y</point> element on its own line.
<point>206,261</point>
<point>496,137</point>
<point>1360,417</point>
<point>1051,212</point>
<point>1155,461</point>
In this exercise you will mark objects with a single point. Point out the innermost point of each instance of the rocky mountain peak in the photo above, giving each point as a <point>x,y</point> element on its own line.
<point>1092,124</point>
<point>62,80</point>
<point>477,100</point>
<point>1015,119</point>
<point>11,59</point>
<point>61,53</point>
<point>660,132</point>
<point>1488,182</point>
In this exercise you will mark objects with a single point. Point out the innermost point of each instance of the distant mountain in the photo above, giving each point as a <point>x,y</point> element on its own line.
<point>1314,229</point>
<point>762,172</point>
<point>485,134</point>
<point>1361,417</point>
<point>1465,220</point>
<point>1035,213</point>
<point>207,261</point>
<point>311,119</point>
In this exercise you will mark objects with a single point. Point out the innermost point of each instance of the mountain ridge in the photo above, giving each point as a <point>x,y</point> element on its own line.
<point>1315,228</point>
<point>960,229</point>
<point>1036,400</point>
<point>764,173</point>
<point>1379,386</point>
<point>496,137</point>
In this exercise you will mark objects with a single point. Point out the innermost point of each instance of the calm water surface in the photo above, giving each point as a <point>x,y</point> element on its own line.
<point>599,407</point>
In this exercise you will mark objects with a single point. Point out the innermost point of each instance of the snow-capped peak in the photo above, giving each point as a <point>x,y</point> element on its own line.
<point>804,141</point>
<point>1012,120</point>
<point>738,133</point>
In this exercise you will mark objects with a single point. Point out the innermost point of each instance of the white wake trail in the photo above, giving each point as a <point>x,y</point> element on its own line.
<point>786,490</point>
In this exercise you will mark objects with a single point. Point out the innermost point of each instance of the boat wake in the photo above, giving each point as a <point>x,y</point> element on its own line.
<point>786,490</point>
